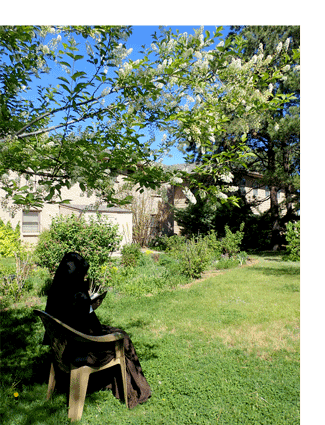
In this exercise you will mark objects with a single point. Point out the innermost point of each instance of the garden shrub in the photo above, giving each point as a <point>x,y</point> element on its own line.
<point>9,239</point>
<point>94,240</point>
<point>194,256</point>
<point>214,243</point>
<point>173,243</point>
<point>293,239</point>
<point>230,244</point>
<point>131,254</point>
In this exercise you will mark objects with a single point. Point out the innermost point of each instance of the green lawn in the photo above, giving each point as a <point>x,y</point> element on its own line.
<point>224,350</point>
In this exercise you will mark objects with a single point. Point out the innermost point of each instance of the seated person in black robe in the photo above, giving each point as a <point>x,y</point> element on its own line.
<point>69,301</point>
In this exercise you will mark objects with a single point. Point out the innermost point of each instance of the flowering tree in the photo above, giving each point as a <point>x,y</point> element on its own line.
<point>86,127</point>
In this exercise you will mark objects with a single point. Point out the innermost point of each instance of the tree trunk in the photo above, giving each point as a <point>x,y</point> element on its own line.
<point>288,187</point>
<point>275,236</point>
<point>274,210</point>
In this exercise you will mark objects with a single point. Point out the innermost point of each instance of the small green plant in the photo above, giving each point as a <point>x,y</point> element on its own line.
<point>293,238</point>
<point>15,275</point>
<point>227,263</point>
<point>131,254</point>
<point>242,257</point>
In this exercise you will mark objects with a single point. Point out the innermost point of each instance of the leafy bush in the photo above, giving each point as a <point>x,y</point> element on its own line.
<point>214,244</point>
<point>95,240</point>
<point>230,244</point>
<point>194,256</point>
<point>293,238</point>
<point>173,243</point>
<point>9,239</point>
<point>131,254</point>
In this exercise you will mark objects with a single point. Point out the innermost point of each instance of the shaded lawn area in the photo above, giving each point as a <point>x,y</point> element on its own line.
<point>224,350</point>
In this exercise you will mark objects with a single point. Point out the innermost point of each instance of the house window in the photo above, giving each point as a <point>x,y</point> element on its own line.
<point>278,195</point>
<point>242,187</point>
<point>267,191</point>
<point>255,191</point>
<point>31,222</point>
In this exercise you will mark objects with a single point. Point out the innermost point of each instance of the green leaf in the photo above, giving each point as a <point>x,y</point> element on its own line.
<point>64,79</point>
<point>65,63</point>
<point>78,74</point>
<point>65,87</point>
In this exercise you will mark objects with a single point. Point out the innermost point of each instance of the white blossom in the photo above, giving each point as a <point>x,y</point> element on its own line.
<point>46,50</point>
<point>286,44</point>
<point>279,47</point>
<point>189,195</point>
<point>268,59</point>
<point>276,127</point>
<point>176,180</point>
<point>222,195</point>
<point>227,177</point>
<point>286,68</point>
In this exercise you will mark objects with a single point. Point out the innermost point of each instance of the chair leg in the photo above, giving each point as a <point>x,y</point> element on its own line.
<point>51,385</point>
<point>123,370</point>
<point>78,388</point>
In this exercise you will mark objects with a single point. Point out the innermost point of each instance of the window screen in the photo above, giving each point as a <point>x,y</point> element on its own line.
<point>31,222</point>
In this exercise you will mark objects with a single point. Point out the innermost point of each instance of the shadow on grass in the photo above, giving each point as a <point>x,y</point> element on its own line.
<point>25,365</point>
<point>24,358</point>
<point>279,271</point>
<point>32,408</point>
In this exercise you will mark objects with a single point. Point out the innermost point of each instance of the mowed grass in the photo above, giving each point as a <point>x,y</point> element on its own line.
<point>224,350</point>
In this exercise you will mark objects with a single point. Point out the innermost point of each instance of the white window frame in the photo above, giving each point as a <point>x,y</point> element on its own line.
<point>31,229</point>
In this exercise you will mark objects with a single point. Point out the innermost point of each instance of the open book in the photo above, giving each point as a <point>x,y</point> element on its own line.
<point>97,299</point>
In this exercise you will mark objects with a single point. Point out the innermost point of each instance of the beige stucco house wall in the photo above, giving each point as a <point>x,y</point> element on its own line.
<point>32,223</point>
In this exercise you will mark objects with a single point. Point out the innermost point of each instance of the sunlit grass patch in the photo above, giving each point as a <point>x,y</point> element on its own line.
<point>262,339</point>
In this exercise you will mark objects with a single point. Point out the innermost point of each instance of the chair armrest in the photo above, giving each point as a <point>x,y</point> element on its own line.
<point>79,336</point>
<point>100,338</point>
